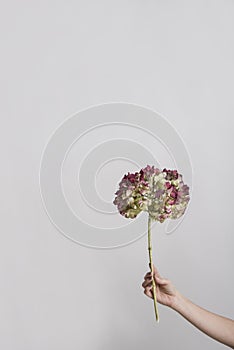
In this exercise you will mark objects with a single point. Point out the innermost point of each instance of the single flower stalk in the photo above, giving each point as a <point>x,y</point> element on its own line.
<point>161,193</point>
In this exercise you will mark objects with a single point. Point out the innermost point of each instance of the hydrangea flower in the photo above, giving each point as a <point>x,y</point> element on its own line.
<point>161,193</point>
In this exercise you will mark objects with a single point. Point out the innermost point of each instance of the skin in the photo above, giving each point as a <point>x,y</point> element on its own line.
<point>215,326</point>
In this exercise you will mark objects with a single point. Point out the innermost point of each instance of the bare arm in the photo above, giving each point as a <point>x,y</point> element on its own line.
<point>217,327</point>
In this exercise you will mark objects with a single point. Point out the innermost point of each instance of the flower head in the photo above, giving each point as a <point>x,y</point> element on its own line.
<point>161,193</point>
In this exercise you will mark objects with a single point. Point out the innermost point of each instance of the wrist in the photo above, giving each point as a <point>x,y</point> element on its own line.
<point>177,302</point>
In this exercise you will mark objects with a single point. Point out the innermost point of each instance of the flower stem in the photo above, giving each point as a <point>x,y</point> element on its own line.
<point>151,268</point>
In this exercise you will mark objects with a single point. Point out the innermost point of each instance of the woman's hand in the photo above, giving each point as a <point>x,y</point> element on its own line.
<point>165,291</point>
<point>215,326</point>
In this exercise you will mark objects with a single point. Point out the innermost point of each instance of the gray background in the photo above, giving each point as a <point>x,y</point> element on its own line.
<point>58,57</point>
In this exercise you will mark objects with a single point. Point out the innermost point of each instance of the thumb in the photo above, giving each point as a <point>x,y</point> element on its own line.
<point>156,273</point>
<point>161,281</point>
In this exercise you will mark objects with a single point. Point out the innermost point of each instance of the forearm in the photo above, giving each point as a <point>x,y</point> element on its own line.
<point>218,327</point>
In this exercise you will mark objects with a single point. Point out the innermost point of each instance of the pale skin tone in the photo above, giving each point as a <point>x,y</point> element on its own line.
<point>215,326</point>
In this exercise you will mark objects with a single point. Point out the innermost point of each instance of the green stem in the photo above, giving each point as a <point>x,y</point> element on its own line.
<point>151,268</point>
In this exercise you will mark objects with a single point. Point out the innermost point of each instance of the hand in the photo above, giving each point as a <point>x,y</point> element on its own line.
<point>215,326</point>
<point>165,291</point>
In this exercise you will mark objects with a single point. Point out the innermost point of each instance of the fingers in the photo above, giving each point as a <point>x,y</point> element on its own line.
<point>148,275</point>
<point>148,291</point>
<point>157,277</point>
<point>147,282</point>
